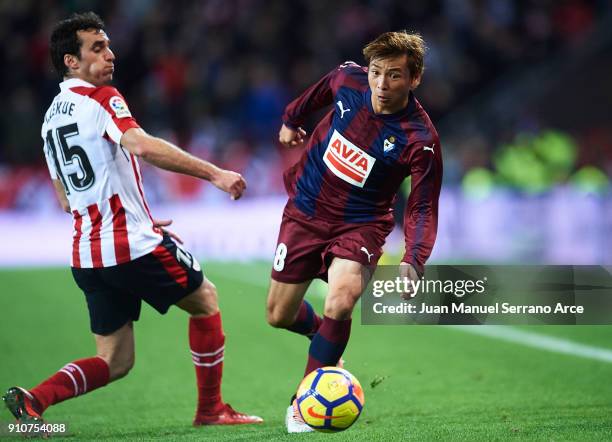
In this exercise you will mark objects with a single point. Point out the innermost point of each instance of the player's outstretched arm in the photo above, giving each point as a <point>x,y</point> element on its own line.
<point>165,155</point>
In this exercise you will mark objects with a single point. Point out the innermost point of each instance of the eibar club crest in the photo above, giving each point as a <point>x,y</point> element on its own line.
<point>389,144</point>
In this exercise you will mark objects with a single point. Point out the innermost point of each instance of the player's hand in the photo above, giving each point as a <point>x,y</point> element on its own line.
<point>161,223</point>
<point>230,182</point>
<point>408,272</point>
<point>291,137</point>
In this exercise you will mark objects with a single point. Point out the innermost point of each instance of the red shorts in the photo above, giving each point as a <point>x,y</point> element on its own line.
<point>306,245</point>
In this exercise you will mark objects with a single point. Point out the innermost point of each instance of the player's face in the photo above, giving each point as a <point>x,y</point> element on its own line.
<point>96,64</point>
<point>390,82</point>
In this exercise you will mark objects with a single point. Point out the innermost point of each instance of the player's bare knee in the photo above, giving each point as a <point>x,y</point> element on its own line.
<point>343,295</point>
<point>279,314</point>
<point>210,293</point>
<point>339,305</point>
<point>203,301</point>
<point>208,304</point>
<point>278,318</point>
<point>340,308</point>
<point>284,301</point>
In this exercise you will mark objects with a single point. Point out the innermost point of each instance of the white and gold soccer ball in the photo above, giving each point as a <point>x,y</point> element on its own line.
<point>330,399</point>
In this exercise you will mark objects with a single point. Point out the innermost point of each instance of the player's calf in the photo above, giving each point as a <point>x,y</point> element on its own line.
<point>117,350</point>
<point>347,280</point>
<point>118,365</point>
<point>307,322</point>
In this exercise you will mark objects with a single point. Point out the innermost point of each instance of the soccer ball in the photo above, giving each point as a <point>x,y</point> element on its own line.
<point>330,399</point>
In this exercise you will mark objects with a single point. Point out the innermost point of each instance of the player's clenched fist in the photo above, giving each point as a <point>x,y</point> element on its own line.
<point>230,182</point>
<point>291,137</point>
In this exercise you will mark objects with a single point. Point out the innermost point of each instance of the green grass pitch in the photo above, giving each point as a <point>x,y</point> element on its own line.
<point>437,382</point>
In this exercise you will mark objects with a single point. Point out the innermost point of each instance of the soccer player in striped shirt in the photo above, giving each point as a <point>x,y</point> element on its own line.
<point>341,192</point>
<point>120,254</point>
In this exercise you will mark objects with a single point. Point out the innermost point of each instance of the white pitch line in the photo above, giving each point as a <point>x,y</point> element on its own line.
<point>537,340</point>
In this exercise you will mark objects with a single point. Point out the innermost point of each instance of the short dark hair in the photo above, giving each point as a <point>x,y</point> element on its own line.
<point>393,44</point>
<point>64,38</point>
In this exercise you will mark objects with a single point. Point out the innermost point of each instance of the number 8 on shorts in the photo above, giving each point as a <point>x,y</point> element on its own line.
<point>279,257</point>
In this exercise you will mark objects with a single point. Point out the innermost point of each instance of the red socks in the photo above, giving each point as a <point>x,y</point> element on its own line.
<point>328,343</point>
<point>74,379</point>
<point>207,342</point>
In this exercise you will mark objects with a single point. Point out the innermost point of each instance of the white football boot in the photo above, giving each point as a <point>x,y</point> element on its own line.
<point>294,422</point>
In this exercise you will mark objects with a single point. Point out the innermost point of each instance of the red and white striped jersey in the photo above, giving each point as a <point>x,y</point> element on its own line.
<point>82,132</point>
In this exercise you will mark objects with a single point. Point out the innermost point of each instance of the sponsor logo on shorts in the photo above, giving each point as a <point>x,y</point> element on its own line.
<point>118,106</point>
<point>348,161</point>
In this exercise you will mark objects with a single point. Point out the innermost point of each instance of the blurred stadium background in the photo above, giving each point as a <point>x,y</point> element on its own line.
<point>519,91</point>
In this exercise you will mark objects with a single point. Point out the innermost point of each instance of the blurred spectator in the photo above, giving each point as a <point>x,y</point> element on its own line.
<point>216,74</point>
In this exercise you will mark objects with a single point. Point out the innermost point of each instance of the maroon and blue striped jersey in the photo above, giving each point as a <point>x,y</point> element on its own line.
<point>356,160</point>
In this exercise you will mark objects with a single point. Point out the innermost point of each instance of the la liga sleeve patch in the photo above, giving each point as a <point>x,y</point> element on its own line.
<point>119,107</point>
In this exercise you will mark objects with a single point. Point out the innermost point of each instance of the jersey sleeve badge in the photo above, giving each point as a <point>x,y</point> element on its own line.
<point>119,107</point>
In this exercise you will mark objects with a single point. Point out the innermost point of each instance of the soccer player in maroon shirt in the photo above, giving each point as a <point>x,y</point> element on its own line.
<point>342,191</point>
<point>121,255</point>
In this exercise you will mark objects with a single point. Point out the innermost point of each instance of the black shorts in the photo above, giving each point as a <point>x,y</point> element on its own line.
<point>160,278</point>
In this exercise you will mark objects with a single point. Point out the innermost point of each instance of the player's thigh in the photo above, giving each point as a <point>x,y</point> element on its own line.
<point>362,243</point>
<point>117,350</point>
<point>165,276</point>
<point>284,300</point>
<point>347,280</point>
<point>110,305</point>
<point>202,301</point>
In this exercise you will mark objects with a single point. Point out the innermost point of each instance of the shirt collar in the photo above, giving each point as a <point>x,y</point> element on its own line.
<point>74,82</point>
